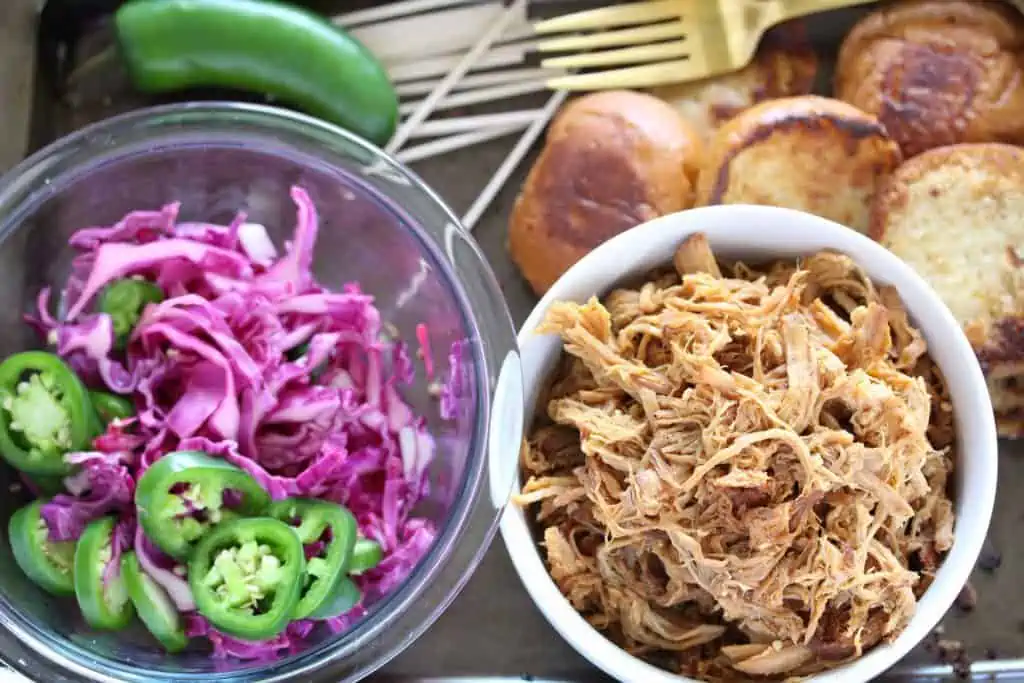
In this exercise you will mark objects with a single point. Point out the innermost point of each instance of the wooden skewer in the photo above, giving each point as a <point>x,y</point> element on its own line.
<point>437,76</point>
<point>420,112</point>
<point>444,32</point>
<point>503,52</point>
<point>478,96</point>
<point>454,142</point>
<point>466,124</point>
<point>393,11</point>
<point>479,80</point>
<point>439,67</point>
<point>512,161</point>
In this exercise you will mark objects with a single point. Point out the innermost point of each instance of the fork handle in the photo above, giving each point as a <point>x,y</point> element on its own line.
<point>800,8</point>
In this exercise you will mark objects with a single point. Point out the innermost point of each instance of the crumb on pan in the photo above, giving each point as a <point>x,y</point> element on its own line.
<point>741,471</point>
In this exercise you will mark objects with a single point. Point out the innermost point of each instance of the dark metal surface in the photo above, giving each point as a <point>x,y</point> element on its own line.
<point>493,628</point>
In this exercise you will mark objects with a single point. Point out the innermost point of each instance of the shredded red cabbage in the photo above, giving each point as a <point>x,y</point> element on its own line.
<point>225,646</point>
<point>103,484</point>
<point>161,568</point>
<point>456,391</point>
<point>214,367</point>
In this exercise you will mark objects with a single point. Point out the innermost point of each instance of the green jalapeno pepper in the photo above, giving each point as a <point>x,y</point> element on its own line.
<point>45,412</point>
<point>124,300</point>
<point>366,555</point>
<point>110,407</point>
<point>45,484</point>
<point>100,588</point>
<point>346,596</point>
<point>153,605</point>
<point>49,564</point>
<point>182,494</point>
<point>318,521</point>
<point>246,576</point>
<point>222,43</point>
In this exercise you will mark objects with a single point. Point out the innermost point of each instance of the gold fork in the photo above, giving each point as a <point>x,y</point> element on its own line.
<point>674,40</point>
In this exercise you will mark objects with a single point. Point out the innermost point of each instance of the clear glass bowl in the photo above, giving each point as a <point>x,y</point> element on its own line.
<point>380,226</point>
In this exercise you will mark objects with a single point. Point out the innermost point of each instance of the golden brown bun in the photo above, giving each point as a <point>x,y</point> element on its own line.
<point>937,72</point>
<point>811,153</point>
<point>612,160</point>
<point>951,213</point>
<point>954,214</point>
<point>785,66</point>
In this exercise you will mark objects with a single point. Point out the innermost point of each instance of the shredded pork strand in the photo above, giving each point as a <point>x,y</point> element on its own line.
<point>741,472</point>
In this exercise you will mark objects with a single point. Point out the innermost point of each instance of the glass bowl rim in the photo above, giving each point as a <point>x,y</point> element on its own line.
<point>25,187</point>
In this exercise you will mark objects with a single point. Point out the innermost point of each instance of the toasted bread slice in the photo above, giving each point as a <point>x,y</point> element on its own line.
<point>785,66</point>
<point>937,72</point>
<point>1002,360</point>
<point>811,153</point>
<point>954,214</point>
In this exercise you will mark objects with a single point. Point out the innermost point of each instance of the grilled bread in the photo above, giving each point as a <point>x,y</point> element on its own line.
<point>612,160</point>
<point>785,66</point>
<point>811,153</point>
<point>954,214</point>
<point>937,72</point>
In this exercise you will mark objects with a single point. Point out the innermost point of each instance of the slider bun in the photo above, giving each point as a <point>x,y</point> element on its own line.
<point>612,160</point>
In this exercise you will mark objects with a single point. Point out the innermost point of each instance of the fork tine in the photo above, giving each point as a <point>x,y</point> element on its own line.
<point>629,55</point>
<point>628,36</point>
<point>607,17</point>
<point>674,71</point>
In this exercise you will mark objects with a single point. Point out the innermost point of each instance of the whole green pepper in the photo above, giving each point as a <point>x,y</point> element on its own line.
<point>45,412</point>
<point>153,605</point>
<point>49,564</point>
<point>100,588</point>
<point>311,519</point>
<point>246,576</point>
<point>124,300</point>
<point>110,407</point>
<point>182,494</point>
<point>260,46</point>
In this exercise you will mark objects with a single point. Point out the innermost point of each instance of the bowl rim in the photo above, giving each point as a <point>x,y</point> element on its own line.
<point>739,228</point>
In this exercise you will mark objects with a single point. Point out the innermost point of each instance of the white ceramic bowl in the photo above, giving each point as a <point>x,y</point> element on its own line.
<point>760,234</point>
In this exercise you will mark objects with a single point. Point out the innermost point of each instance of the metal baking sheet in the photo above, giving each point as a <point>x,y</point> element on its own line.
<point>493,629</point>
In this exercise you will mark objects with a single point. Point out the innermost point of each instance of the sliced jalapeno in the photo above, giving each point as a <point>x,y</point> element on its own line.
<point>124,300</point>
<point>182,494</point>
<point>110,407</point>
<point>246,576</point>
<point>366,555</point>
<point>47,563</point>
<point>99,585</point>
<point>43,484</point>
<point>325,524</point>
<point>346,596</point>
<point>45,412</point>
<point>153,605</point>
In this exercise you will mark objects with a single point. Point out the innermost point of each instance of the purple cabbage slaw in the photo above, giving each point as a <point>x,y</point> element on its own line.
<point>207,369</point>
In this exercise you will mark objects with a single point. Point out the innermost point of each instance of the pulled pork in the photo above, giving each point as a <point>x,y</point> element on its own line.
<point>742,472</point>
